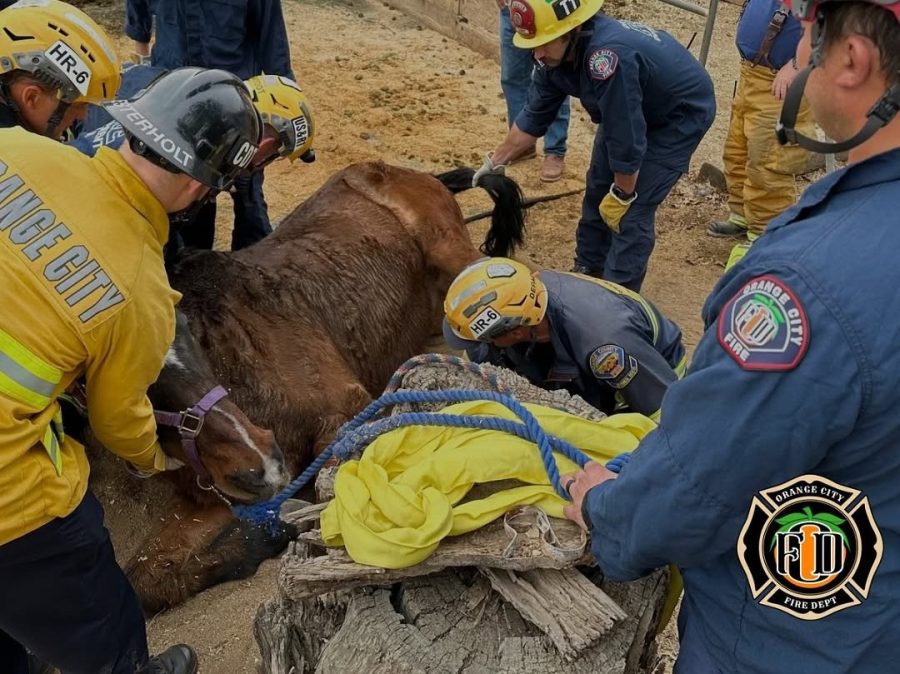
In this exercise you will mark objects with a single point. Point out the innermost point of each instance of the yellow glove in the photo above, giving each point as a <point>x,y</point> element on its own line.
<point>613,208</point>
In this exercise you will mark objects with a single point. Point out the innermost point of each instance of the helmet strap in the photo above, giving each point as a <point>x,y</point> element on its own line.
<point>56,119</point>
<point>878,116</point>
<point>188,214</point>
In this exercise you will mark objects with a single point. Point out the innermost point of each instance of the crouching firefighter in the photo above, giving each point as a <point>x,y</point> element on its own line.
<point>565,330</point>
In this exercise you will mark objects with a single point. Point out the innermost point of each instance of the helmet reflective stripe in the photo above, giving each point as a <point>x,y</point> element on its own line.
<point>492,297</point>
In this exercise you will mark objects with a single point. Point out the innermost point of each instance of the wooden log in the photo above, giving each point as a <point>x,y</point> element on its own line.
<point>573,612</point>
<point>516,542</point>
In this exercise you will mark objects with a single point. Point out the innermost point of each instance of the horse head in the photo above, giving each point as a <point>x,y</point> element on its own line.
<point>210,434</point>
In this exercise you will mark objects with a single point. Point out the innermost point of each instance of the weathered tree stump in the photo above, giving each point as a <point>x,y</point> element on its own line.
<point>451,622</point>
<point>511,614</point>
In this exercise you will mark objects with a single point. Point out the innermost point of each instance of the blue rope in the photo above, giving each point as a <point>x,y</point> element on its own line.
<point>359,432</point>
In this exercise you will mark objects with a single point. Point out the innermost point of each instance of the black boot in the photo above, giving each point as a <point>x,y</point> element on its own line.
<point>579,268</point>
<point>178,659</point>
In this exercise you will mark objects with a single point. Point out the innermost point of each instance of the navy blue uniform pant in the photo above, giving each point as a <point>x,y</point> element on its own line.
<point>65,599</point>
<point>621,258</point>
<point>251,217</point>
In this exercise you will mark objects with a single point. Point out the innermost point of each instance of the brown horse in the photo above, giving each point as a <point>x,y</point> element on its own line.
<point>304,328</point>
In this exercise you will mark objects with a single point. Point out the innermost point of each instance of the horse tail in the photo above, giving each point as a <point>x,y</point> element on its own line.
<point>508,218</point>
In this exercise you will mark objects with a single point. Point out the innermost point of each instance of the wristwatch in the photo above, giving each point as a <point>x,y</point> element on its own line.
<point>620,194</point>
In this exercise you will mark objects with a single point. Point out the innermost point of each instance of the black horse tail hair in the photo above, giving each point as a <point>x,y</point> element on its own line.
<point>507,229</point>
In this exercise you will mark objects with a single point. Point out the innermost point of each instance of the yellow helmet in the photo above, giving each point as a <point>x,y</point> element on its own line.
<point>537,22</point>
<point>283,106</point>
<point>491,297</point>
<point>62,47</point>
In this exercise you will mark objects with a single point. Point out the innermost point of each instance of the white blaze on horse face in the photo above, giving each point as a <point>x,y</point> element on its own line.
<point>272,471</point>
<point>172,359</point>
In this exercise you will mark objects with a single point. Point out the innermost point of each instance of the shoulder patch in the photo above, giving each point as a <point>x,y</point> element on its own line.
<point>609,363</point>
<point>764,326</point>
<point>602,63</point>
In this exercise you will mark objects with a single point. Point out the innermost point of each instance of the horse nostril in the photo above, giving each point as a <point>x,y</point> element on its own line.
<point>249,481</point>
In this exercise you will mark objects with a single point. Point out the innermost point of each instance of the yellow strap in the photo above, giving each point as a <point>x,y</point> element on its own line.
<point>681,368</point>
<point>24,376</point>
<point>51,444</point>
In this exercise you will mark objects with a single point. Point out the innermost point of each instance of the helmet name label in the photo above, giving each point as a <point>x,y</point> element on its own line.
<point>243,156</point>
<point>484,321</point>
<point>301,131</point>
<point>70,64</point>
<point>148,133</point>
<point>563,8</point>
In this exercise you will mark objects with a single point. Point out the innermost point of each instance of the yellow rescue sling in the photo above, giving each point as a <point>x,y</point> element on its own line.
<point>393,506</point>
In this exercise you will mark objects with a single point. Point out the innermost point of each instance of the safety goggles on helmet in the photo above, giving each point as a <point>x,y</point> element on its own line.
<point>194,121</point>
<point>538,22</point>
<point>493,296</point>
<point>880,114</point>
<point>61,47</point>
<point>282,105</point>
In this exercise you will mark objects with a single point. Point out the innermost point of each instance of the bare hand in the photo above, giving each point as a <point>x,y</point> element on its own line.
<point>783,80</point>
<point>501,4</point>
<point>578,485</point>
<point>142,48</point>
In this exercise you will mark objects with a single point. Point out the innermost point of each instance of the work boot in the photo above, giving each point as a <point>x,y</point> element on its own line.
<point>553,168</point>
<point>587,271</point>
<point>727,228</point>
<point>177,659</point>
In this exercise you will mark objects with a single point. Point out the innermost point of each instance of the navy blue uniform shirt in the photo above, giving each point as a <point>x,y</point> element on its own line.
<point>652,97</point>
<point>812,387</point>
<point>244,37</point>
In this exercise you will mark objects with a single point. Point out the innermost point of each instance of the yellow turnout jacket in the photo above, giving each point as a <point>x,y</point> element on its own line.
<point>83,291</point>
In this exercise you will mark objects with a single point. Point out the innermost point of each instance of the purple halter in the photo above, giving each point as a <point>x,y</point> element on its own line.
<point>188,423</point>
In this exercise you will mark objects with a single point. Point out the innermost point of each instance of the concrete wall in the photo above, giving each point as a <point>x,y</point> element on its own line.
<point>472,23</point>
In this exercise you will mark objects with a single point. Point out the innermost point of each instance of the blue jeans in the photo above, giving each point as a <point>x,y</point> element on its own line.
<point>516,67</point>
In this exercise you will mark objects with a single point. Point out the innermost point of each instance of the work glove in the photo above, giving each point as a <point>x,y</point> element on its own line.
<point>487,167</point>
<point>613,208</point>
<point>161,462</point>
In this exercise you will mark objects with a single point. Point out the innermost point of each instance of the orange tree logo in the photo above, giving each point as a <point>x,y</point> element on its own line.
<point>810,547</point>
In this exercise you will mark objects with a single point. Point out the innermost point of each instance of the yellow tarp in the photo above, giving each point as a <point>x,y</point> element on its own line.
<point>393,506</point>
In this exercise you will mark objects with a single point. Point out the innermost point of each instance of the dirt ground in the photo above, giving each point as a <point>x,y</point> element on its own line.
<point>383,87</point>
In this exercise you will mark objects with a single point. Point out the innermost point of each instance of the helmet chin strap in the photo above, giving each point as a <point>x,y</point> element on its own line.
<point>55,120</point>
<point>878,116</point>
<point>187,215</point>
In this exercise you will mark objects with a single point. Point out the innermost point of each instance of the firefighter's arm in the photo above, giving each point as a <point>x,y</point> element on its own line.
<point>126,355</point>
<point>742,420</point>
<point>616,78</point>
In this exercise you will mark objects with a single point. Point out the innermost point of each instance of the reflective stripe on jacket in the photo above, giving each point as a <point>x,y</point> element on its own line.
<point>84,293</point>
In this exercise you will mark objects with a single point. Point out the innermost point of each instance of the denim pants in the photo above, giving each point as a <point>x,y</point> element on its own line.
<point>516,67</point>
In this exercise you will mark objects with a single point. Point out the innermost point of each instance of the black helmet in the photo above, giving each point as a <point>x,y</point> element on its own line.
<point>194,121</point>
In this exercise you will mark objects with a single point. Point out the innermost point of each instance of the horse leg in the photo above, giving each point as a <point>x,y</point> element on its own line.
<point>197,547</point>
